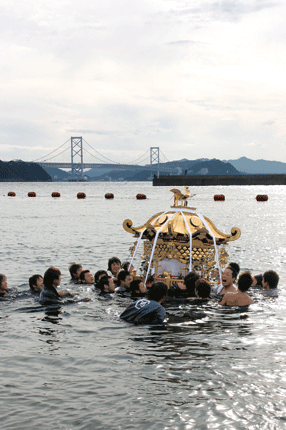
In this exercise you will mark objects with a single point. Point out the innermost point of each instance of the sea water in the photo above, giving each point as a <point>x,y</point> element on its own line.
<point>81,367</point>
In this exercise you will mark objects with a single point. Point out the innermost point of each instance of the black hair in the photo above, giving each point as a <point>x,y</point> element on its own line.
<point>158,291</point>
<point>125,265</point>
<point>190,281</point>
<point>73,269</point>
<point>50,275</point>
<point>98,275</point>
<point>134,286</point>
<point>235,267</point>
<point>103,281</point>
<point>272,278</point>
<point>258,280</point>
<point>150,279</point>
<point>82,275</point>
<point>113,260</point>
<point>203,288</point>
<point>244,282</point>
<point>122,275</point>
<point>33,281</point>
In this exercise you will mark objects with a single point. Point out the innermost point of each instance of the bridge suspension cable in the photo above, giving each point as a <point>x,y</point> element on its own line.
<point>99,153</point>
<point>67,149</point>
<point>52,151</point>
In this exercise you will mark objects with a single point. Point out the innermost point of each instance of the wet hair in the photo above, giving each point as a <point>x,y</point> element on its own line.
<point>272,278</point>
<point>125,265</point>
<point>203,288</point>
<point>73,269</point>
<point>50,275</point>
<point>158,291</point>
<point>33,281</point>
<point>1,278</point>
<point>258,280</point>
<point>244,281</point>
<point>233,271</point>
<point>134,286</point>
<point>98,275</point>
<point>82,275</point>
<point>190,281</point>
<point>122,275</point>
<point>113,260</point>
<point>103,281</point>
<point>234,266</point>
<point>150,279</point>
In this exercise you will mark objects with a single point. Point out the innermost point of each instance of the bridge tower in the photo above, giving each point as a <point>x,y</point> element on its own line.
<point>154,156</point>
<point>76,157</point>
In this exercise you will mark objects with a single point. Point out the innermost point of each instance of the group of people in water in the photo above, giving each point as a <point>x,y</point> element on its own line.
<point>147,295</point>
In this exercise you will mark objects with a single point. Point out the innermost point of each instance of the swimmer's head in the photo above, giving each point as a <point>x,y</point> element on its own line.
<point>75,270</point>
<point>52,278</point>
<point>3,283</point>
<point>270,280</point>
<point>244,282</point>
<point>36,282</point>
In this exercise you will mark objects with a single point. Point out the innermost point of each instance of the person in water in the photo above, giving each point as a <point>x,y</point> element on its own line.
<point>137,288</point>
<point>190,281</point>
<point>98,275</point>
<point>149,282</point>
<point>148,311</point>
<point>235,267</point>
<point>3,285</point>
<point>202,289</point>
<point>257,281</point>
<point>86,277</point>
<point>36,284</point>
<point>49,294</point>
<point>114,265</point>
<point>178,290</point>
<point>127,266</point>
<point>270,281</point>
<point>106,286</point>
<point>228,279</point>
<point>240,297</point>
<point>124,281</point>
<point>75,271</point>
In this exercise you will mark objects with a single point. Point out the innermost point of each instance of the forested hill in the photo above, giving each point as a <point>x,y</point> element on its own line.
<point>20,171</point>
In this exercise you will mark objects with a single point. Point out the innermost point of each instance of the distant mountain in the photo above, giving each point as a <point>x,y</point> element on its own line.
<point>212,167</point>
<point>57,174</point>
<point>21,171</point>
<point>249,166</point>
<point>125,175</point>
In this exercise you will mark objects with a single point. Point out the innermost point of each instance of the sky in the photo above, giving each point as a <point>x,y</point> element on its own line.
<point>198,79</point>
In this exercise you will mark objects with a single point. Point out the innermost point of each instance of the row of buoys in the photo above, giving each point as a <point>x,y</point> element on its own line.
<point>79,195</point>
<point>217,197</point>
<point>259,198</point>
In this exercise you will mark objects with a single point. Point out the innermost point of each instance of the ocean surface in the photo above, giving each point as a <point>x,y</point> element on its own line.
<point>81,367</point>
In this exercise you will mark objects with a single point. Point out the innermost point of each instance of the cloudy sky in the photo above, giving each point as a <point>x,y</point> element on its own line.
<point>198,78</point>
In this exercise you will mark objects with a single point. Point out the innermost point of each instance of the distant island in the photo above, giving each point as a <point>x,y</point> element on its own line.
<point>20,171</point>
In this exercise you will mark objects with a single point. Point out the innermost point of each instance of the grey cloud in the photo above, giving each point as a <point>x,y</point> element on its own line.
<point>182,42</point>
<point>222,10</point>
<point>86,131</point>
<point>268,122</point>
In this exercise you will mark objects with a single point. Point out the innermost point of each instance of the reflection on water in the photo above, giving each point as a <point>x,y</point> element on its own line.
<point>81,367</point>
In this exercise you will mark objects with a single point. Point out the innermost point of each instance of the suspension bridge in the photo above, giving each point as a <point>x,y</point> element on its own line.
<point>77,165</point>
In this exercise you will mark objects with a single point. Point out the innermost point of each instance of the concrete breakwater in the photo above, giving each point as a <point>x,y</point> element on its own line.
<point>206,180</point>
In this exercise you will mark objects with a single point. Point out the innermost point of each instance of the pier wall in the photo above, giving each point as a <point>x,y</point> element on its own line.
<point>206,180</point>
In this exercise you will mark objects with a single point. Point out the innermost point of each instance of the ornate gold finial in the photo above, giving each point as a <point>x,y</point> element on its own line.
<point>178,196</point>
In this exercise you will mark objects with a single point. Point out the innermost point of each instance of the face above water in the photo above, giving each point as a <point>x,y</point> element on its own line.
<point>227,279</point>
<point>115,267</point>
<point>142,288</point>
<point>4,284</point>
<point>39,284</point>
<point>89,279</point>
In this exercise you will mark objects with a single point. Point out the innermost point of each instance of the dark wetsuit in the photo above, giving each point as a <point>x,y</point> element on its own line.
<point>105,295</point>
<point>144,311</point>
<point>49,296</point>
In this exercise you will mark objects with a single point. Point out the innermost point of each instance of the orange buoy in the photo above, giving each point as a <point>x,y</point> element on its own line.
<point>81,195</point>
<point>109,196</point>
<point>219,198</point>
<point>262,197</point>
<point>11,194</point>
<point>141,197</point>
<point>32,194</point>
<point>56,194</point>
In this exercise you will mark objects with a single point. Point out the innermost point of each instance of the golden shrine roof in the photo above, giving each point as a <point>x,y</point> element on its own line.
<point>178,223</point>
